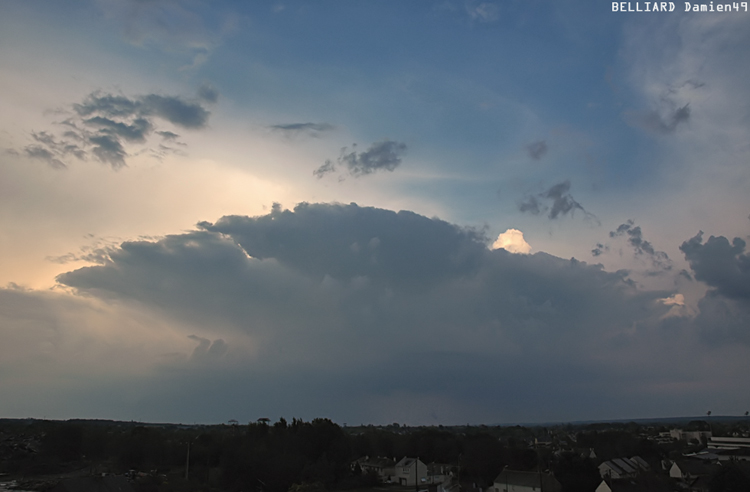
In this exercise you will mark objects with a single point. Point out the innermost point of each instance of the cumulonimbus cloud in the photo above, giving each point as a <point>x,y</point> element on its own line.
<point>360,302</point>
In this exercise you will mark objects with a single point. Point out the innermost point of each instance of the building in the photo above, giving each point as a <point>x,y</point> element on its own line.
<point>384,468</point>
<point>410,471</point>
<point>522,481</point>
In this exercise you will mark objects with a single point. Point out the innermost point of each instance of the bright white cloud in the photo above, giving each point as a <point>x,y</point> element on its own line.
<point>512,241</point>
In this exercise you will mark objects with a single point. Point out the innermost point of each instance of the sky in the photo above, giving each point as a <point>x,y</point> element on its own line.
<point>433,212</point>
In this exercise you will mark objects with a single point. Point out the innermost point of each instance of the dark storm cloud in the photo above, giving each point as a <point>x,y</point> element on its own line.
<point>384,155</point>
<point>723,320</point>
<point>640,246</point>
<point>365,267</point>
<point>537,150</point>
<point>103,123</point>
<point>722,265</point>
<point>556,200</point>
<point>339,302</point>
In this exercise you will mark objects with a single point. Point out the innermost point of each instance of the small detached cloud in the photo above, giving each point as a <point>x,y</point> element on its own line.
<point>537,150</point>
<point>512,241</point>
<point>556,202</point>
<point>483,12</point>
<point>102,124</point>
<point>380,156</point>
<point>599,249</point>
<point>310,129</point>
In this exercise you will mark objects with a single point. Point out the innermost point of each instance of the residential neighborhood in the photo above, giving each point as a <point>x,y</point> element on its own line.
<point>319,456</point>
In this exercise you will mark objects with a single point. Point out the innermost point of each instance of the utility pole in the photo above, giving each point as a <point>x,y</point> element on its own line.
<point>187,462</point>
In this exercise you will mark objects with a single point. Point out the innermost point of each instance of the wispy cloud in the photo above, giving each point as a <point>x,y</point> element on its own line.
<point>659,259</point>
<point>556,202</point>
<point>537,150</point>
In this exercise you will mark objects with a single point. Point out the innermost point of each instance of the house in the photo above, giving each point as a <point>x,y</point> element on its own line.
<point>689,470</point>
<point>452,484</point>
<point>384,468</point>
<point>523,481</point>
<point>681,435</point>
<point>410,471</point>
<point>640,463</point>
<point>633,486</point>
<point>437,473</point>
<point>617,469</point>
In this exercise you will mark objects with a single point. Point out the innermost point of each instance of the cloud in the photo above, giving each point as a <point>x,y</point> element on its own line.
<point>483,12</point>
<point>357,312</point>
<point>171,26</point>
<point>670,110</point>
<point>103,123</point>
<point>537,150</point>
<point>311,129</point>
<point>136,132</point>
<point>327,168</point>
<point>641,247</point>
<point>208,93</point>
<point>660,122</point>
<point>207,350</point>
<point>51,150</point>
<point>109,149</point>
<point>384,155</point>
<point>175,110</point>
<point>559,202</point>
<point>599,249</point>
<point>512,241</point>
<point>166,135</point>
<point>722,265</point>
<point>39,152</point>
